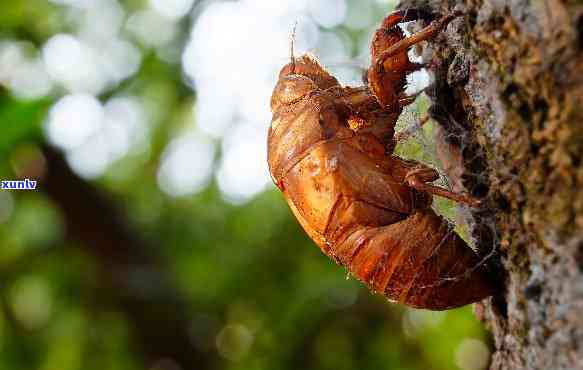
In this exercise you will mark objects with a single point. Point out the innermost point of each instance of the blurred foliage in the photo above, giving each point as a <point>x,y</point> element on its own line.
<point>259,293</point>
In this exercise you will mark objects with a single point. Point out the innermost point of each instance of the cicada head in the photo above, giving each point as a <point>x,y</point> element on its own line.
<point>298,78</point>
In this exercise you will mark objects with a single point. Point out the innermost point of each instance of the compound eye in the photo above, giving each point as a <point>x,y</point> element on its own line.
<point>291,89</point>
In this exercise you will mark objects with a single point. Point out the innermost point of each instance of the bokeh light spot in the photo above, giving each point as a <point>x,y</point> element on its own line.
<point>73,119</point>
<point>31,302</point>
<point>415,321</point>
<point>75,3</point>
<point>472,354</point>
<point>243,171</point>
<point>234,341</point>
<point>359,15</point>
<point>328,13</point>
<point>72,63</point>
<point>91,159</point>
<point>186,165</point>
<point>24,75</point>
<point>125,125</point>
<point>151,28</point>
<point>172,8</point>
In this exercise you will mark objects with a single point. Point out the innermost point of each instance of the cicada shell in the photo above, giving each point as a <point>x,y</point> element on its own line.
<point>330,153</point>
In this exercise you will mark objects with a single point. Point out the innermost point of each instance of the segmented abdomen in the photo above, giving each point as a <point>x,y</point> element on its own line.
<point>380,230</point>
<point>419,261</point>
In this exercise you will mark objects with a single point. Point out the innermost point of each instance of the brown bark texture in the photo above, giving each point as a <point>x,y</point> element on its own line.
<point>509,100</point>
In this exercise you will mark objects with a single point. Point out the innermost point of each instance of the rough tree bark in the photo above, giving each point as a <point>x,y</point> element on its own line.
<point>509,97</point>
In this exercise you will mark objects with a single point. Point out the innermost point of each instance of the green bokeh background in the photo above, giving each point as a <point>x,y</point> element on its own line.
<point>256,291</point>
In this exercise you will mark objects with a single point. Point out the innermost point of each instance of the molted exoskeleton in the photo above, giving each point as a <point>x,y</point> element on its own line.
<point>330,153</point>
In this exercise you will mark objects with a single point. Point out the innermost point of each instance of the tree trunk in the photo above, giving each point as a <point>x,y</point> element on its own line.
<point>509,98</point>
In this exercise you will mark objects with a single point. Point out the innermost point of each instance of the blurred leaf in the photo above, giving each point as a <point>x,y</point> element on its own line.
<point>20,121</point>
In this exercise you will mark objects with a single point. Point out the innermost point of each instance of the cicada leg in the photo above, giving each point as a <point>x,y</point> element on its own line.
<point>406,15</point>
<point>386,75</point>
<point>421,177</point>
<point>427,33</point>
